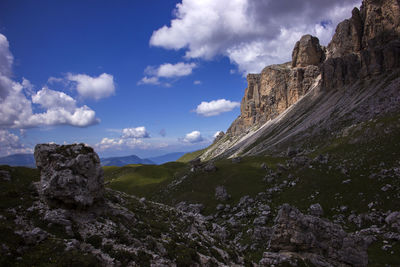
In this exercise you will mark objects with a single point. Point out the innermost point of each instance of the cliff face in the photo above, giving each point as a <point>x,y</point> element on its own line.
<point>365,45</point>
<point>323,89</point>
<point>279,86</point>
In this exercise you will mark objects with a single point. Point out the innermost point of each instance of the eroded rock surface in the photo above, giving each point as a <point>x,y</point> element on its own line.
<point>70,175</point>
<point>296,232</point>
<point>365,45</point>
<point>307,52</point>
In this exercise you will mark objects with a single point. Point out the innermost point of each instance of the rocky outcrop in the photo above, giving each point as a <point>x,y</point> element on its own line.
<point>70,175</point>
<point>274,90</point>
<point>307,52</point>
<point>365,45</point>
<point>296,232</point>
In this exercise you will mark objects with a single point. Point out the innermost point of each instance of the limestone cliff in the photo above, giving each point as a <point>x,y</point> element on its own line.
<point>365,49</point>
<point>364,45</point>
<point>279,86</point>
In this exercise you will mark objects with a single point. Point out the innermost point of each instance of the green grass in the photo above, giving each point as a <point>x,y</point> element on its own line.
<point>191,156</point>
<point>141,180</point>
<point>244,178</point>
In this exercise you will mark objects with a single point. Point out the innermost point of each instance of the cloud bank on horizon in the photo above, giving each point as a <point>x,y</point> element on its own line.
<point>251,33</point>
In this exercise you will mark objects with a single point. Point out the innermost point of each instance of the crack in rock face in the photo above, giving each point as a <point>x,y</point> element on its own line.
<point>70,175</point>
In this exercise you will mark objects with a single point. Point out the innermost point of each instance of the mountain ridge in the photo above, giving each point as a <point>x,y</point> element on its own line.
<point>323,89</point>
<point>26,160</point>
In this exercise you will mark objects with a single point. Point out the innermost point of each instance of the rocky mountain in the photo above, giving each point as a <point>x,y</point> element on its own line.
<point>26,160</point>
<point>122,161</point>
<point>308,175</point>
<point>324,89</point>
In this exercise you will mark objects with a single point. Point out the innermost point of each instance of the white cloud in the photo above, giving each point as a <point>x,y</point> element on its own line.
<point>16,109</point>
<point>120,143</point>
<point>138,132</point>
<point>50,99</point>
<point>6,58</point>
<point>193,137</point>
<point>197,82</point>
<point>93,87</point>
<point>166,70</point>
<point>10,144</point>
<point>251,33</point>
<point>130,138</point>
<point>107,143</point>
<point>215,107</point>
<point>149,80</point>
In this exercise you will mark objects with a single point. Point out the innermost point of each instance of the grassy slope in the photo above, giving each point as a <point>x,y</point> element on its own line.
<point>191,156</point>
<point>141,180</point>
<point>323,183</point>
<point>246,177</point>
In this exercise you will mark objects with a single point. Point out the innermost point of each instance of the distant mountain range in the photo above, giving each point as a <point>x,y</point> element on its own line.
<point>122,161</point>
<point>133,159</point>
<point>27,160</point>
<point>167,157</point>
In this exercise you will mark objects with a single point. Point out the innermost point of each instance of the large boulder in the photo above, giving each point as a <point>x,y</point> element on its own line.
<point>296,232</point>
<point>70,175</point>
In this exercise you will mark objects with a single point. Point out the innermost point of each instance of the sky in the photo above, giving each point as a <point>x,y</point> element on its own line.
<point>141,77</point>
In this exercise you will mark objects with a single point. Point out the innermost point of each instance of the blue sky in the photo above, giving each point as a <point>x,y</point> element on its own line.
<point>99,71</point>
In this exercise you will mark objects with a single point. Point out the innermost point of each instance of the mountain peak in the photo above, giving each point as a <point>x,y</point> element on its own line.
<point>363,47</point>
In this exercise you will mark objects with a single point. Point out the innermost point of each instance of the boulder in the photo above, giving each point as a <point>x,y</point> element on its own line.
<point>236,160</point>
<point>296,232</point>
<point>393,219</point>
<point>221,194</point>
<point>210,167</point>
<point>316,210</point>
<point>190,208</point>
<point>70,175</point>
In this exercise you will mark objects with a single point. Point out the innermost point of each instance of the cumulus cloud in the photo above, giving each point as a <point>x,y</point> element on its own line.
<point>175,70</point>
<point>16,110</point>
<point>138,132</point>
<point>193,137</point>
<point>166,70</point>
<point>11,144</point>
<point>130,138</point>
<point>60,109</point>
<point>107,143</point>
<point>215,107</point>
<point>93,87</point>
<point>251,33</point>
<point>50,99</point>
